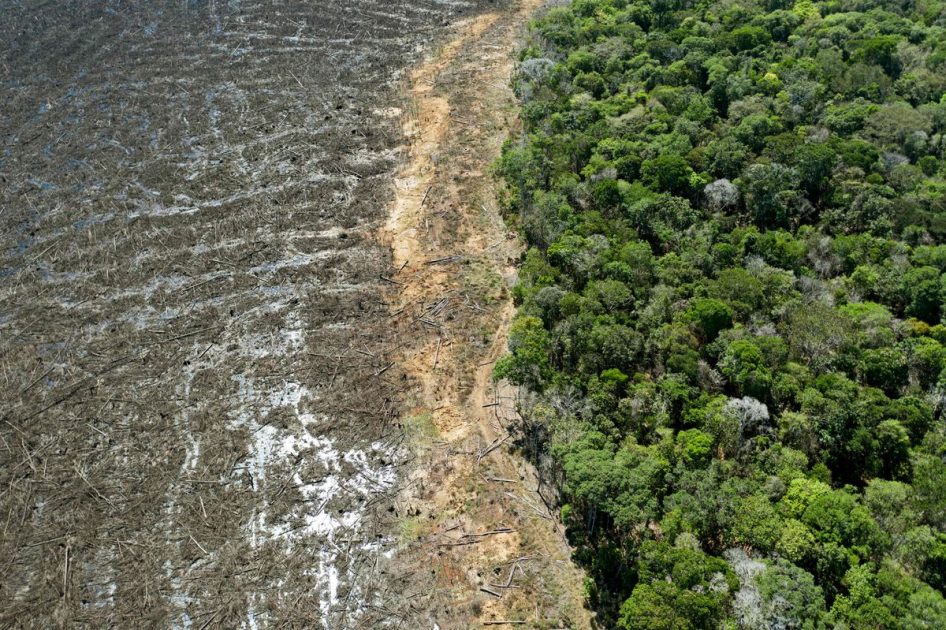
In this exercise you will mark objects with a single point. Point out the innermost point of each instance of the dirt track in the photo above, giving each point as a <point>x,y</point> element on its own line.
<point>478,542</point>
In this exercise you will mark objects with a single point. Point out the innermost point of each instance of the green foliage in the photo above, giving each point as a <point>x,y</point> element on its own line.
<point>790,598</point>
<point>731,311</point>
<point>694,447</point>
<point>710,316</point>
<point>801,494</point>
<point>885,597</point>
<point>528,362</point>
<point>667,173</point>
<point>744,365</point>
<point>678,588</point>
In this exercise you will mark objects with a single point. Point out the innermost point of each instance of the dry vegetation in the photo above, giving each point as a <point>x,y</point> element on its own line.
<point>480,545</point>
<point>196,356</point>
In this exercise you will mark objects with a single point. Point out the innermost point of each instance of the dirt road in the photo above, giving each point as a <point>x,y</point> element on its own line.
<point>478,543</point>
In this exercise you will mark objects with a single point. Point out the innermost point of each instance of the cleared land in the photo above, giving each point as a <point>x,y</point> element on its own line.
<point>197,358</point>
<point>479,539</point>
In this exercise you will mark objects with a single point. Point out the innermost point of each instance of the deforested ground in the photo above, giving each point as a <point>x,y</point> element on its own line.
<point>198,366</point>
<point>480,544</point>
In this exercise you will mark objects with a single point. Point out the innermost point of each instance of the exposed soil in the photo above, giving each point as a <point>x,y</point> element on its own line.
<point>197,368</point>
<point>224,402</point>
<point>478,542</point>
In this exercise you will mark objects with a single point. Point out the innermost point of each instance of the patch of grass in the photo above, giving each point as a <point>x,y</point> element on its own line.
<point>410,530</point>
<point>483,283</point>
<point>421,426</point>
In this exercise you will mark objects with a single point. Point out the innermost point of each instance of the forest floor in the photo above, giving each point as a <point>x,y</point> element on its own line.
<point>479,545</point>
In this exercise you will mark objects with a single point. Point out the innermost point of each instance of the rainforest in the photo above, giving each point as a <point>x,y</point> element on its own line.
<point>729,341</point>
